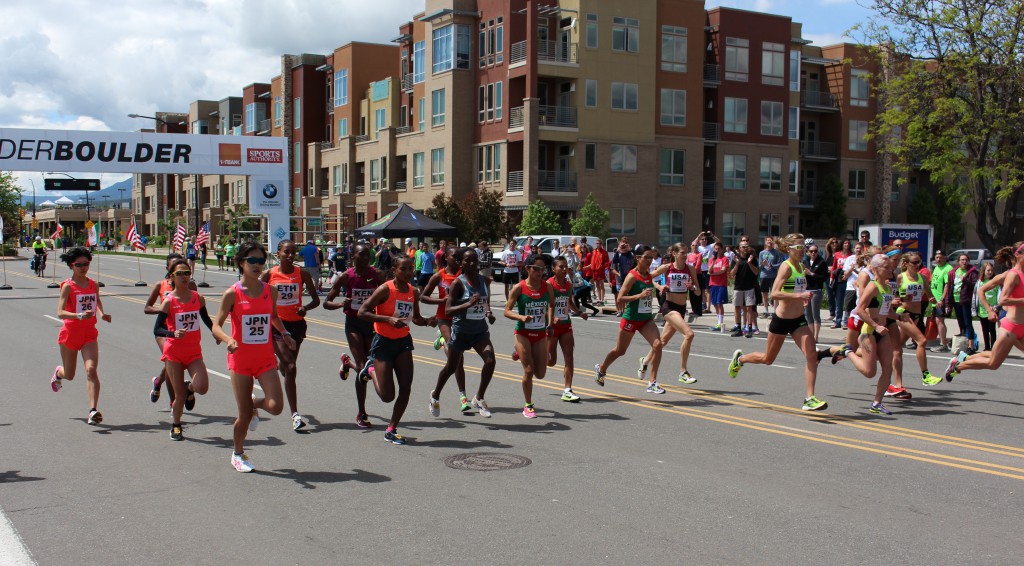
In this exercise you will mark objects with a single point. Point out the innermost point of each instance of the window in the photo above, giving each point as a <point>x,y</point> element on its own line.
<point>592,31</point>
<point>590,156</point>
<point>423,113</point>
<point>254,112</point>
<point>794,175</point>
<point>624,158</point>
<point>736,115</point>
<point>341,87</point>
<point>771,173</point>
<point>673,107</point>
<point>773,64</point>
<point>451,48</point>
<point>490,42</point>
<point>626,35</point>
<point>670,227</point>
<point>342,128</point>
<point>733,226</point>
<point>794,71</point>
<point>498,102</point>
<point>858,135</point>
<point>737,59</point>
<point>858,186</point>
<point>488,163</point>
<point>591,94</point>
<point>490,102</point>
<point>297,156</point>
<point>417,170</point>
<point>794,122</point>
<point>894,195</point>
<point>278,111</point>
<point>624,96</point>
<point>374,175</point>
<point>381,118</point>
<point>673,167</point>
<point>297,113</point>
<point>770,225</point>
<point>437,166</point>
<point>735,174</point>
<point>344,178</point>
<point>673,49</point>
<point>437,108</point>
<point>858,87</point>
<point>200,127</point>
<point>622,221</point>
<point>771,118</point>
<point>419,67</point>
<point>336,180</point>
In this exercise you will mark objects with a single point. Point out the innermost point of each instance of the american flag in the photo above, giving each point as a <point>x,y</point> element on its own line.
<point>179,237</point>
<point>135,239</point>
<point>56,233</point>
<point>204,235</point>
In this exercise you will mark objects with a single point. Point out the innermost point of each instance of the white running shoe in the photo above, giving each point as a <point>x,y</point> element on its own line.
<point>297,422</point>
<point>641,370</point>
<point>435,408</point>
<point>255,422</point>
<point>241,462</point>
<point>481,405</point>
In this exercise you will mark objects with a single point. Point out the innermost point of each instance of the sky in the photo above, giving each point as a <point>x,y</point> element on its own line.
<point>86,65</point>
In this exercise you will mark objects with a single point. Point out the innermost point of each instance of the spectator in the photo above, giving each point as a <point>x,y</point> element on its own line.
<point>311,262</point>
<point>769,261</point>
<point>511,260</point>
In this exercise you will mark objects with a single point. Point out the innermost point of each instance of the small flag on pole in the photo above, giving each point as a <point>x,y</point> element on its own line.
<point>56,234</point>
<point>179,237</point>
<point>135,239</point>
<point>204,235</point>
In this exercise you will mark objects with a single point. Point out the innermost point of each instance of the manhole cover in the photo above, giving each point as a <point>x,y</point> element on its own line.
<point>486,462</point>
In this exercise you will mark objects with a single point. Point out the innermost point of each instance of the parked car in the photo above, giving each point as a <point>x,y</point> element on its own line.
<point>977,256</point>
<point>546,243</point>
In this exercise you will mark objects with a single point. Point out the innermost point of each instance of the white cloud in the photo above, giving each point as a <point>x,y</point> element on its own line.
<point>824,39</point>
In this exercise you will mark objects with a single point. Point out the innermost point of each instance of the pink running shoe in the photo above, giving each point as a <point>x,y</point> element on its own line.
<point>346,360</point>
<point>515,355</point>
<point>55,381</point>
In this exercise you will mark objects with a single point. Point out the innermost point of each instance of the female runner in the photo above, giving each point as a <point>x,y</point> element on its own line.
<point>681,280</point>
<point>789,291</point>
<point>252,306</point>
<point>637,293</point>
<point>156,296</point>
<point>391,308</point>
<point>468,303</point>
<point>442,280</point>
<point>178,325</point>
<point>561,330</point>
<point>533,301</point>
<point>78,306</point>
<point>913,287</point>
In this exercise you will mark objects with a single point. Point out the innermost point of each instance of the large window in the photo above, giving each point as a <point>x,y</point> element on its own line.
<point>344,178</point>
<point>417,170</point>
<point>340,87</point>
<point>592,31</point>
<point>423,113</point>
<point>794,71</point>
<point>374,175</point>
<point>858,87</point>
<point>437,108</point>
<point>200,127</point>
<point>437,166</point>
<point>773,64</point>
<point>794,175</point>
<point>733,226</point>
<point>673,49</point>
<point>490,42</point>
<point>771,173</point>
<point>623,158</point>
<point>736,115</point>
<point>278,112</point>
<point>625,35</point>
<point>380,118</point>
<point>498,103</point>
<point>858,186</point>
<point>770,225</point>
<point>451,48</point>
<point>735,174</point>
<point>297,113</point>
<point>771,118</point>
<point>673,107</point>
<point>858,135</point>
<point>488,163</point>
<point>737,59</point>
<point>624,96</point>
<point>489,102</point>
<point>622,221</point>
<point>673,167</point>
<point>794,122</point>
<point>591,97</point>
<point>297,157</point>
<point>336,180</point>
<point>253,114</point>
<point>419,62</point>
<point>590,156</point>
<point>342,128</point>
<point>670,227</point>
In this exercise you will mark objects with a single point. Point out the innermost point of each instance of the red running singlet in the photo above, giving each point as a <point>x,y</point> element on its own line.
<point>250,328</point>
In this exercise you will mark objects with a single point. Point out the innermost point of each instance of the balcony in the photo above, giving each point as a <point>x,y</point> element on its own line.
<point>710,191</point>
<point>557,116</point>
<point>361,138</point>
<point>818,151</point>
<point>808,198</point>
<point>400,185</point>
<point>515,182</point>
<point>712,75</point>
<point>556,181</point>
<point>515,118</point>
<point>518,54</point>
<point>402,130</point>
<point>821,101</point>
<point>711,132</point>
<point>264,128</point>
<point>557,52</point>
<point>361,189</point>
<point>407,82</point>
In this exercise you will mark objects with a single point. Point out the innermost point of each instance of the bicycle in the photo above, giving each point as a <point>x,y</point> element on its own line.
<point>40,265</point>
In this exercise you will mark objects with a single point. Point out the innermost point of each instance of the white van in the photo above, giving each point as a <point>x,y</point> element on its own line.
<point>546,243</point>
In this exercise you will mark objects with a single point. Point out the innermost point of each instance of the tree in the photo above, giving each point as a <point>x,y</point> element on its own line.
<point>485,218</point>
<point>592,220</point>
<point>10,203</point>
<point>831,208</point>
<point>954,100</point>
<point>235,221</point>
<point>448,210</point>
<point>922,209</point>
<point>539,219</point>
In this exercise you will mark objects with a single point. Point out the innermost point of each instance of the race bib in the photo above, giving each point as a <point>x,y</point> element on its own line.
<point>799,284</point>
<point>359,297</point>
<point>883,310</point>
<point>287,294</point>
<point>678,282</point>
<point>255,328</point>
<point>561,308</point>
<point>537,313</point>
<point>915,292</point>
<point>187,321</point>
<point>403,310</point>
<point>476,312</point>
<point>644,307</point>
<point>86,302</point>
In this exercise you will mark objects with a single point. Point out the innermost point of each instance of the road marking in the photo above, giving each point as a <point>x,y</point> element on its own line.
<point>53,318</point>
<point>255,384</point>
<point>13,551</point>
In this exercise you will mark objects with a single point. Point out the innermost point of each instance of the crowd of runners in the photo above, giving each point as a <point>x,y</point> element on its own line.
<point>890,300</point>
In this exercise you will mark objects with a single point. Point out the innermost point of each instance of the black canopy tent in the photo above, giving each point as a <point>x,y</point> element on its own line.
<point>405,222</point>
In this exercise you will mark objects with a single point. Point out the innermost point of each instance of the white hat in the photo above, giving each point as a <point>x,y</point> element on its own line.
<point>809,242</point>
<point>408,240</point>
<point>462,245</point>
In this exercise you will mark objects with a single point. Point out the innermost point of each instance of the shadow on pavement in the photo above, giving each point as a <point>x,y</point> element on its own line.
<point>462,444</point>
<point>130,427</point>
<point>14,477</point>
<point>222,442</point>
<point>308,479</point>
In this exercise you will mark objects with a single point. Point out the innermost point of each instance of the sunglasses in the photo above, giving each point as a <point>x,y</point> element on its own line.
<point>182,273</point>
<point>813,251</point>
<point>534,267</point>
<point>80,264</point>
<point>251,260</point>
<point>917,262</point>
<point>797,246</point>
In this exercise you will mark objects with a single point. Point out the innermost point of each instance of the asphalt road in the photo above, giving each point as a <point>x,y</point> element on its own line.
<point>721,472</point>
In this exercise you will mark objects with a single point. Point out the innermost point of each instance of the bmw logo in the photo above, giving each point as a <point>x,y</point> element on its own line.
<point>280,233</point>
<point>270,190</point>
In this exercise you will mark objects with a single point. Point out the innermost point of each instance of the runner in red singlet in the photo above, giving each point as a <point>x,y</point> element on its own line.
<point>156,296</point>
<point>443,281</point>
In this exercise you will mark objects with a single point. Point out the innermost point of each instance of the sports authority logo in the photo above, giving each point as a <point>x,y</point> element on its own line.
<point>270,190</point>
<point>230,154</point>
<point>256,155</point>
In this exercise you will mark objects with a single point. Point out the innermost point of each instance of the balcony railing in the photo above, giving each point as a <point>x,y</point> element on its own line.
<point>558,116</point>
<point>407,82</point>
<point>809,197</point>
<point>515,118</point>
<point>819,150</point>
<point>402,130</point>
<point>556,52</point>
<point>264,127</point>
<point>515,182</point>
<point>817,99</point>
<point>710,191</point>
<point>559,181</point>
<point>362,138</point>
<point>325,145</point>
<point>712,75</point>
<point>711,132</point>
<point>518,54</point>
<point>400,185</point>
<point>361,189</point>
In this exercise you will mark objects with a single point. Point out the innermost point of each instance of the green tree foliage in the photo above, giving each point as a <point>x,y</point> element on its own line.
<point>831,208</point>
<point>235,221</point>
<point>954,91</point>
<point>539,219</point>
<point>485,218</point>
<point>592,220</point>
<point>922,209</point>
<point>10,203</point>
<point>448,210</point>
